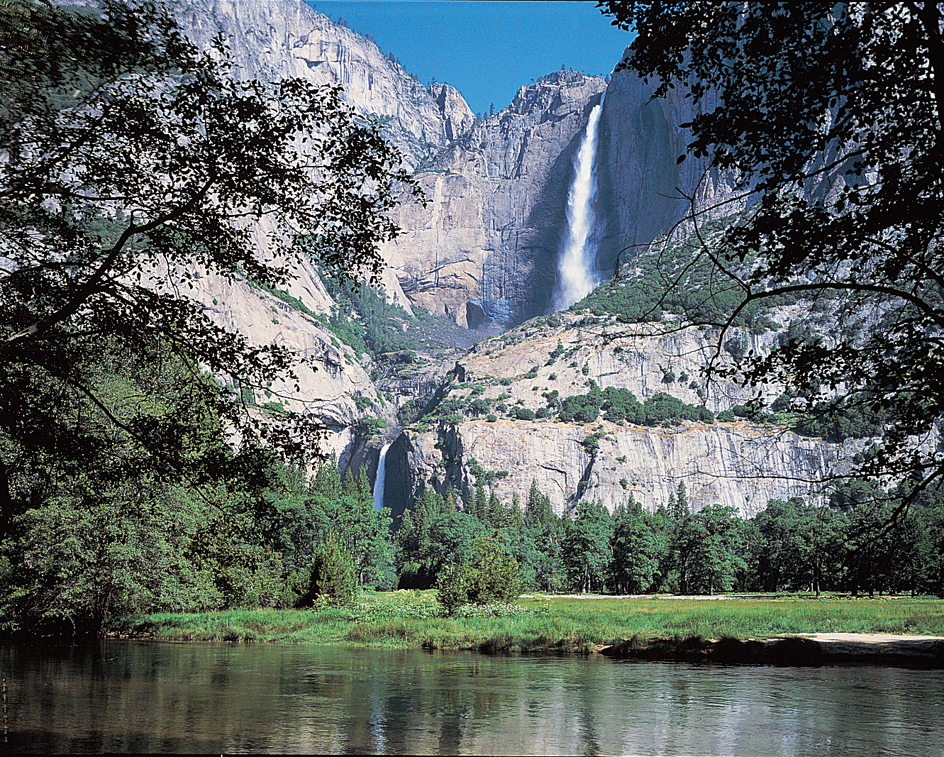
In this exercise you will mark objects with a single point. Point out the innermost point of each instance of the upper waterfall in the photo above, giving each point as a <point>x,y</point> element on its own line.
<point>576,264</point>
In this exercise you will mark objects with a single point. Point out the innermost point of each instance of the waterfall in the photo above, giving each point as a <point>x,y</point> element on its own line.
<point>576,264</point>
<point>379,478</point>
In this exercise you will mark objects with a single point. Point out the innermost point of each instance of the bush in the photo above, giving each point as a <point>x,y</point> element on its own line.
<point>370,426</point>
<point>453,586</point>
<point>492,575</point>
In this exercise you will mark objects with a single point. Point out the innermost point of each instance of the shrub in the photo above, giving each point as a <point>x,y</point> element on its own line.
<point>368,427</point>
<point>495,576</point>
<point>479,406</point>
<point>492,575</point>
<point>363,403</point>
<point>452,586</point>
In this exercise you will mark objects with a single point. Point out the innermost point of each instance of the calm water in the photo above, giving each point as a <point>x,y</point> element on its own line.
<point>149,697</point>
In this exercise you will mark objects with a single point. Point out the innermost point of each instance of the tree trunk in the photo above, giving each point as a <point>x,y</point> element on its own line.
<point>6,502</point>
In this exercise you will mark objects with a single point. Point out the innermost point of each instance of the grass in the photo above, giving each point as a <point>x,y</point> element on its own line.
<point>413,619</point>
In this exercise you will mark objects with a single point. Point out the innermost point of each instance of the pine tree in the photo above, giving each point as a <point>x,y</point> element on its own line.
<point>333,577</point>
<point>471,504</point>
<point>538,510</point>
<point>481,501</point>
<point>497,515</point>
<point>681,502</point>
<point>673,506</point>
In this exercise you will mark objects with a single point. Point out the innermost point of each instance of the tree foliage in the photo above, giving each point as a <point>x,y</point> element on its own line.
<point>333,577</point>
<point>135,164</point>
<point>829,116</point>
<point>491,575</point>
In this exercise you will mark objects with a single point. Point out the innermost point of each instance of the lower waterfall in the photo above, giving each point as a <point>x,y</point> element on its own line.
<point>379,478</point>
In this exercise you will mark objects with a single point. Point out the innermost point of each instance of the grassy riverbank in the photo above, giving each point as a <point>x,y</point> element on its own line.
<point>565,624</point>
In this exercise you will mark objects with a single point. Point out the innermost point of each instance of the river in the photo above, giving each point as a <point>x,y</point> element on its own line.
<point>161,697</point>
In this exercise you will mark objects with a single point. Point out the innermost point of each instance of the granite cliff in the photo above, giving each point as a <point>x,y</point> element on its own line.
<point>521,379</point>
<point>482,252</point>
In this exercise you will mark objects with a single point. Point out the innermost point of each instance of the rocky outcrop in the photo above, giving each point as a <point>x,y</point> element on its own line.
<point>288,38</point>
<point>565,352</point>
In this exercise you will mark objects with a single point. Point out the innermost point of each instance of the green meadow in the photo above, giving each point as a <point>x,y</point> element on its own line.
<point>414,619</point>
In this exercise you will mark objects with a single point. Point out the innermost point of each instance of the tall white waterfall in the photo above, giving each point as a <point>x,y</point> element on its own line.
<point>379,478</point>
<point>576,269</point>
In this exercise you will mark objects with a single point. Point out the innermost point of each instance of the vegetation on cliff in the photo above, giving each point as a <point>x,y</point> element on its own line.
<point>828,117</point>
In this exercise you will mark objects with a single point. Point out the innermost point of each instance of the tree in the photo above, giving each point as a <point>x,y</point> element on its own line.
<point>100,533</point>
<point>637,549</point>
<point>585,549</point>
<point>538,510</point>
<point>490,575</point>
<point>333,577</point>
<point>135,164</point>
<point>438,535</point>
<point>347,508</point>
<point>716,549</point>
<point>830,118</point>
<point>496,576</point>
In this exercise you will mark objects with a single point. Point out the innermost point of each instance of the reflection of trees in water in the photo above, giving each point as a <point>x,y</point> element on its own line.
<point>589,710</point>
<point>127,697</point>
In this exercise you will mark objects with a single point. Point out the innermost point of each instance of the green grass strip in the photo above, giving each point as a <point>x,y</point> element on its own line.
<point>414,619</point>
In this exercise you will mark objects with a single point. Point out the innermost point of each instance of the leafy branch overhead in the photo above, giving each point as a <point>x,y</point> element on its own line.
<point>829,116</point>
<point>135,164</point>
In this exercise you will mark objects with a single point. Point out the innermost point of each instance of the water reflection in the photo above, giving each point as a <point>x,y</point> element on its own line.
<point>137,697</point>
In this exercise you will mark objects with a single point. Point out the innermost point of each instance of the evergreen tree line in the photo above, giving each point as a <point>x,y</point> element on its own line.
<point>853,544</point>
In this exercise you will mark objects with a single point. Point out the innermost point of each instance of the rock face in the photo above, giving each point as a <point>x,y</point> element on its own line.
<point>642,186</point>
<point>537,364</point>
<point>483,250</point>
<point>272,40</point>
<point>737,464</point>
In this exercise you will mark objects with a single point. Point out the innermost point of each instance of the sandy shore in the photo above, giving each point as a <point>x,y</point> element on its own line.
<point>853,644</point>
<point>801,650</point>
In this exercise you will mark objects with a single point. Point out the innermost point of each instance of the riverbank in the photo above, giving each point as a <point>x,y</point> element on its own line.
<point>807,650</point>
<point>731,629</point>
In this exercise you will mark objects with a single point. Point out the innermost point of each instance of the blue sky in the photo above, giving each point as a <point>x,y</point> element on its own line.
<point>485,49</point>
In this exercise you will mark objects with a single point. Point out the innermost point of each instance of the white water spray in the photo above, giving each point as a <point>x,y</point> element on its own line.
<point>576,269</point>
<point>379,478</point>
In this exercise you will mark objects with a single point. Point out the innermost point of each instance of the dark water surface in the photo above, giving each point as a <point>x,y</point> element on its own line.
<point>159,697</point>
